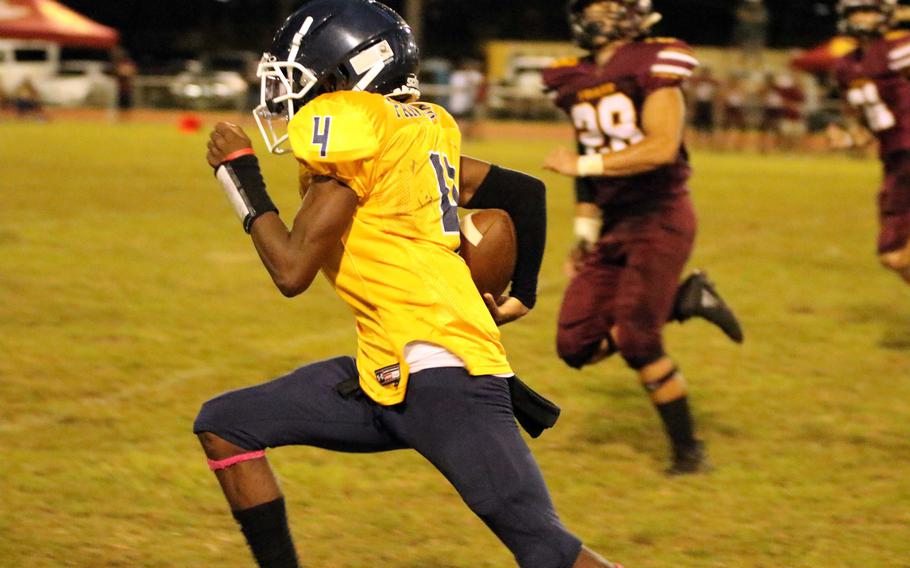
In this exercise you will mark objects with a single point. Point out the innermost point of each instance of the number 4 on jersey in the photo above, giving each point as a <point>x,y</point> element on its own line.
<point>321,126</point>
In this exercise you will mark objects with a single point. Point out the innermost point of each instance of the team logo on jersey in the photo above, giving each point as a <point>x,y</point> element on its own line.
<point>390,375</point>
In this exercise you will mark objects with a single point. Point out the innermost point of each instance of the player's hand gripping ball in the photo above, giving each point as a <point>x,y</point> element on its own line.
<point>488,247</point>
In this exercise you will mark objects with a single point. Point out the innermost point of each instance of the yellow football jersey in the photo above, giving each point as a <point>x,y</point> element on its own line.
<point>399,269</point>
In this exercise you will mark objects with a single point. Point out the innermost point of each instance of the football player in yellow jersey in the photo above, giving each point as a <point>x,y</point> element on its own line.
<point>379,219</point>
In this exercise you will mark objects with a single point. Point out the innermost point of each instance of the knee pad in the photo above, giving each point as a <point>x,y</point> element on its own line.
<point>657,384</point>
<point>639,346</point>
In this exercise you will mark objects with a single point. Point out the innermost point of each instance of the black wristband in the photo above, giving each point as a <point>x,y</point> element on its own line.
<point>242,182</point>
<point>524,198</point>
<point>584,191</point>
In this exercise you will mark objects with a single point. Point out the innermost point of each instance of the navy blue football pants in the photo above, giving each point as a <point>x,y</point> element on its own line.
<point>463,425</point>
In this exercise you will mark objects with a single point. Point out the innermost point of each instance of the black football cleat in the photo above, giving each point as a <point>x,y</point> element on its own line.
<point>697,297</point>
<point>687,461</point>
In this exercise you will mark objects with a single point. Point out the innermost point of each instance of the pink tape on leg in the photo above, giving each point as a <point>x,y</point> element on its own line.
<point>216,465</point>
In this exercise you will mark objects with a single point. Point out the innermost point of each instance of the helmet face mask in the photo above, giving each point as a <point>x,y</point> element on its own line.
<point>333,45</point>
<point>596,23</point>
<point>866,18</point>
<point>601,22</point>
<point>279,99</point>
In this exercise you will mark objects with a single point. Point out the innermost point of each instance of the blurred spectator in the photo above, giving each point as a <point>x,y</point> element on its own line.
<point>752,31</point>
<point>125,72</point>
<point>734,99</point>
<point>27,101</point>
<point>704,90</point>
<point>793,118</point>
<point>772,112</point>
<point>783,125</point>
<point>466,86</point>
<point>830,105</point>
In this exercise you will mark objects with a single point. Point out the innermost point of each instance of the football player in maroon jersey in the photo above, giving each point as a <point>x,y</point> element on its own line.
<point>634,219</point>
<point>875,80</point>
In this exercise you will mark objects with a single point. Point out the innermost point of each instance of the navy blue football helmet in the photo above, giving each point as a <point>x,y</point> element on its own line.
<point>334,45</point>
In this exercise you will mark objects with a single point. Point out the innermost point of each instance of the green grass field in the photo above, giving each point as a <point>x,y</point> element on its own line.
<point>129,295</point>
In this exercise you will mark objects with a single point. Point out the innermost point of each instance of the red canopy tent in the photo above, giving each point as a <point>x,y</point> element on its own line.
<point>51,21</point>
<point>823,58</point>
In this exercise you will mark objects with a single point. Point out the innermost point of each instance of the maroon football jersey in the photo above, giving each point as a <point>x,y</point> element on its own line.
<point>874,80</point>
<point>605,104</point>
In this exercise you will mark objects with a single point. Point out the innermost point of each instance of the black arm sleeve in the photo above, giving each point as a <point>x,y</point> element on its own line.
<point>524,198</point>
<point>584,192</point>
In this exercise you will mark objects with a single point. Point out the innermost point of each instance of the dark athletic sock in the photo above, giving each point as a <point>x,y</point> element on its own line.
<point>678,421</point>
<point>266,530</point>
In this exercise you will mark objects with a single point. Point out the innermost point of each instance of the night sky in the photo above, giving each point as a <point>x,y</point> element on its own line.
<point>162,29</point>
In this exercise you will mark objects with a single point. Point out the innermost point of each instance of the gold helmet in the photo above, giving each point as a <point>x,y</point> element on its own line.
<point>619,20</point>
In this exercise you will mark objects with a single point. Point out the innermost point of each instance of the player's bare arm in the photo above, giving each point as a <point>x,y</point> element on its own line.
<point>473,172</point>
<point>484,186</point>
<point>663,122</point>
<point>292,258</point>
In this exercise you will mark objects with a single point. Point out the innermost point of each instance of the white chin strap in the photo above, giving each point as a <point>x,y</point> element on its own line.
<point>368,79</point>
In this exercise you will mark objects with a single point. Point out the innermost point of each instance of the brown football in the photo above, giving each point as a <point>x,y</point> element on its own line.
<point>489,246</point>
